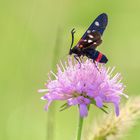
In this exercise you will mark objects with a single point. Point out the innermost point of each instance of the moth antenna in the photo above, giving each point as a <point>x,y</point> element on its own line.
<point>72,34</point>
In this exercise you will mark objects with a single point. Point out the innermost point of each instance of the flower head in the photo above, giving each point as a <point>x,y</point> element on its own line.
<point>82,84</point>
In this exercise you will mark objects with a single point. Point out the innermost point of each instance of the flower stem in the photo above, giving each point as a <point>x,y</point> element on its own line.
<point>80,125</point>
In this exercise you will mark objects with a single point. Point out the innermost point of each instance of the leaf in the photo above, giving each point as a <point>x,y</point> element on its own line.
<point>105,106</point>
<point>104,110</point>
<point>93,101</point>
<point>64,107</point>
<point>65,104</point>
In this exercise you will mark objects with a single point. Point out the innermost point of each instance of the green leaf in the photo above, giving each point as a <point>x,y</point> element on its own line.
<point>104,110</point>
<point>64,107</point>
<point>65,104</point>
<point>93,101</point>
<point>105,106</point>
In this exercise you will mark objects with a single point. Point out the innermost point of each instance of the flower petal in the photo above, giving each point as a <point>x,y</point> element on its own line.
<point>99,102</point>
<point>73,101</point>
<point>83,110</point>
<point>116,105</point>
<point>48,104</point>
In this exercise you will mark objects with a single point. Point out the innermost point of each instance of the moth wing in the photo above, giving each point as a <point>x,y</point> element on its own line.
<point>99,25</point>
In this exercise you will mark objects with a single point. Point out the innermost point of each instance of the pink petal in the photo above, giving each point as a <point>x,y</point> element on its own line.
<point>99,102</point>
<point>83,110</point>
<point>48,104</point>
<point>116,105</point>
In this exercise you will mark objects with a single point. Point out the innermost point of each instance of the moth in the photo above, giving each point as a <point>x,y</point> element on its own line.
<point>88,43</point>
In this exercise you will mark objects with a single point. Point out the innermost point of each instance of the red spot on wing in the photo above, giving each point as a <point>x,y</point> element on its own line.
<point>81,40</point>
<point>79,45</point>
<point>99,57</point>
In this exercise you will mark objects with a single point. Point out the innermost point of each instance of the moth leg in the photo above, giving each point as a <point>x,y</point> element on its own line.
<point>76,57</point>
<point>80,59</point>
<point>96,65</point>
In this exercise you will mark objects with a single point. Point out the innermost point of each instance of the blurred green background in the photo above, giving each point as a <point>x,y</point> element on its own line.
<point>35,34</point>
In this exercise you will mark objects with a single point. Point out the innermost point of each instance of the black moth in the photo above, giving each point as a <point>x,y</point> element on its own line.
<point>90,40</point>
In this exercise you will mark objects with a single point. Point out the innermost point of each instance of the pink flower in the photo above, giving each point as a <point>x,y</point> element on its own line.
<point>84,84</point>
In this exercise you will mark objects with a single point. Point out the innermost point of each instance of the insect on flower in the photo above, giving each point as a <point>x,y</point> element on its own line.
<point>83,86</point>
<point>90,40</point>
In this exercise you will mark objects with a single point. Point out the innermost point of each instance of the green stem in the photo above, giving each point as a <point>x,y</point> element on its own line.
<point>80,125</point>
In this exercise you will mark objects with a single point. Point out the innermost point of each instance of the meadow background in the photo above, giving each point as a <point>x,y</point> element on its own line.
<point>35,35</point>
